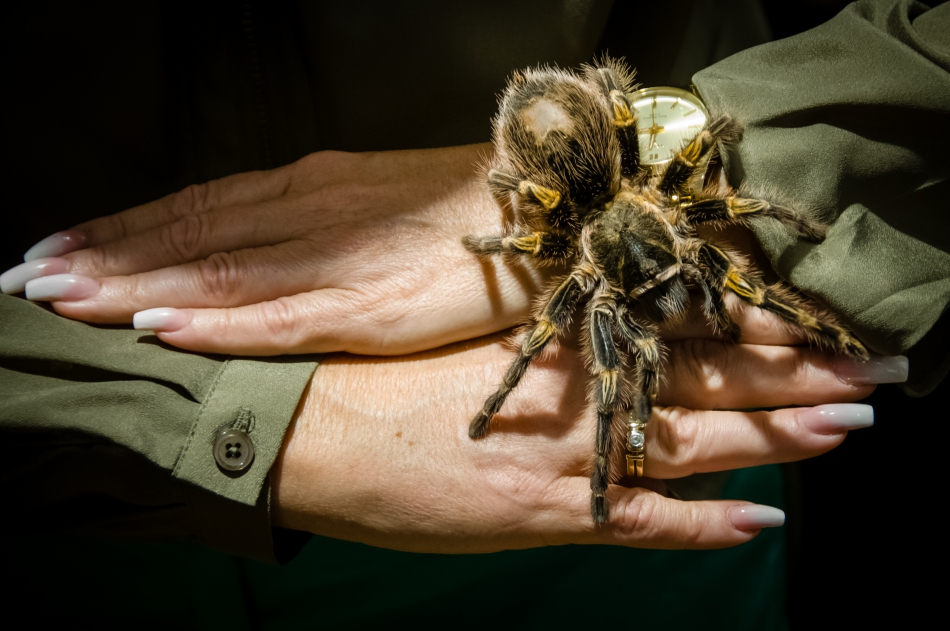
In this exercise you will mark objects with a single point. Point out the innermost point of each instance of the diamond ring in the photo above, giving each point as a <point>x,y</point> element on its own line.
<point>636,444</point>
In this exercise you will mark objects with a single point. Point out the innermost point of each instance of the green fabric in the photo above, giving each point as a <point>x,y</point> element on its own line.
<point>110,431</point>
<point>846,122</point>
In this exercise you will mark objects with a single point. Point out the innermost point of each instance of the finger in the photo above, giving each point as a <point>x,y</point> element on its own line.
<point>363,321</point>
<point>315,322</point>
<point>681,442</point>
<point>644,519</point>
<point>757,326</point>
<point>704,374</point>
<point>226,279</point>
<point>240,189</point>
<point>188,238</point>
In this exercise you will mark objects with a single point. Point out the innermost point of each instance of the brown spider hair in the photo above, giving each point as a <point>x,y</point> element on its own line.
<point>567,153</point>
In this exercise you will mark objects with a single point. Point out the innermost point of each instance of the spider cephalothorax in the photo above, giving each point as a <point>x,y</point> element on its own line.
<point>566,151</point>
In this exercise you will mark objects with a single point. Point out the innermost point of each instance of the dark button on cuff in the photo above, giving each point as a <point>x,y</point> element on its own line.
<point>233,450</point>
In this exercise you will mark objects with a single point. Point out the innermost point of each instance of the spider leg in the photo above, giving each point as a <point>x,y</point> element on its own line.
<point>738,209</point>
<point>555,316</point>
<point>501,182</point>
<point>606,368</point>
<point>644,344</point>
<point>625,122</point>
<point>730,278</point>
<point>711,277</point>
<point>714,307</point>
<point>545,246</point>
<point>690,159</point>
<point>557,214</point>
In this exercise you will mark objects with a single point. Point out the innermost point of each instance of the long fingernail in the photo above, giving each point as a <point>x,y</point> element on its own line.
<point>837,417</point>
<point>876,370</point>
<point>755,517</point>
<point>57,244</point>
<point>14,280</point>
<point>68,287</point>
<point>161,320</point>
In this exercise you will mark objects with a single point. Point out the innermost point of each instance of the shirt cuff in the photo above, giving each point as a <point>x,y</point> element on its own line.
<point>231,508</point>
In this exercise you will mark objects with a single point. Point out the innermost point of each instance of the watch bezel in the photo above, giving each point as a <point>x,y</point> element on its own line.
<point>680,93</point>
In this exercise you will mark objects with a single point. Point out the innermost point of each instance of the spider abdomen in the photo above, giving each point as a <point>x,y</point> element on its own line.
<point>552,131</point>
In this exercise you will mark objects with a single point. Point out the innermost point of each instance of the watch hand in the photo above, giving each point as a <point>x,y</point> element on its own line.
<point>653,130</point>
<point>653,127</point>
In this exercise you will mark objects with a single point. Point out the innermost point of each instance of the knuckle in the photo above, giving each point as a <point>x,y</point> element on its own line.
<point>644,520</point>
<point>772,436</point>
<point>332,178</point>
<point>184,237</point>
<point>525,488</point>
<point>327,157</point>
<point>193,199</point>
<point>679,435</point>
<point>639,516</point>
<point>94,261</point>
<point>218,277</point>
<point>687,431</point>
<point>131,289</point>
<point>314,160</point>
<point>287,175</point>
<point>279,319</point>
<point>691,528</point>
<point>805,368</point>
<point>117,226</point>
<point>319,162</point>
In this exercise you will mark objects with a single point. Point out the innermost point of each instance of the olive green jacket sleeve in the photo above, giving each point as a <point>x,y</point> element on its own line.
<point>108,431</point>
<point>849,123</point>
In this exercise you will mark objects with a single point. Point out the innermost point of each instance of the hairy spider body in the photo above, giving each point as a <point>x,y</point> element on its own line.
<point>567,152</point>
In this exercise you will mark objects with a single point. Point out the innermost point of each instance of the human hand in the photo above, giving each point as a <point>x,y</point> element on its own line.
<point>379,450</point>
<point>354,252</point>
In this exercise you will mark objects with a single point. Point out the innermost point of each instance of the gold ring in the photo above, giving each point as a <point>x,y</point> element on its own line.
<point>636,446</point>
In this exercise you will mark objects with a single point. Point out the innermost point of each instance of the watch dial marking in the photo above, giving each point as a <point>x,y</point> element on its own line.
<point>667,129</point>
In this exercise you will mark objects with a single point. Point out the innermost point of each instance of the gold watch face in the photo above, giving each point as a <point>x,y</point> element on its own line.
<point>667,119</point>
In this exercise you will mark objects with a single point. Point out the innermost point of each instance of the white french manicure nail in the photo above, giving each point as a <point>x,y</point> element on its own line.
<point>836,418</point>
<point>876,370</point>
<point>756,517</point>
<point>14,280</point>
<point>67,287</point>
<point>57,244</point>
<point>161,319</point>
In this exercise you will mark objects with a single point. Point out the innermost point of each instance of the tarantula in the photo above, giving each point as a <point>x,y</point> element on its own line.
<point>567,154</point>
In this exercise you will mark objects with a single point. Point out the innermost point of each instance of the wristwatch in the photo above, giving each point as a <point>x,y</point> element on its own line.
<point>667,119</point>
